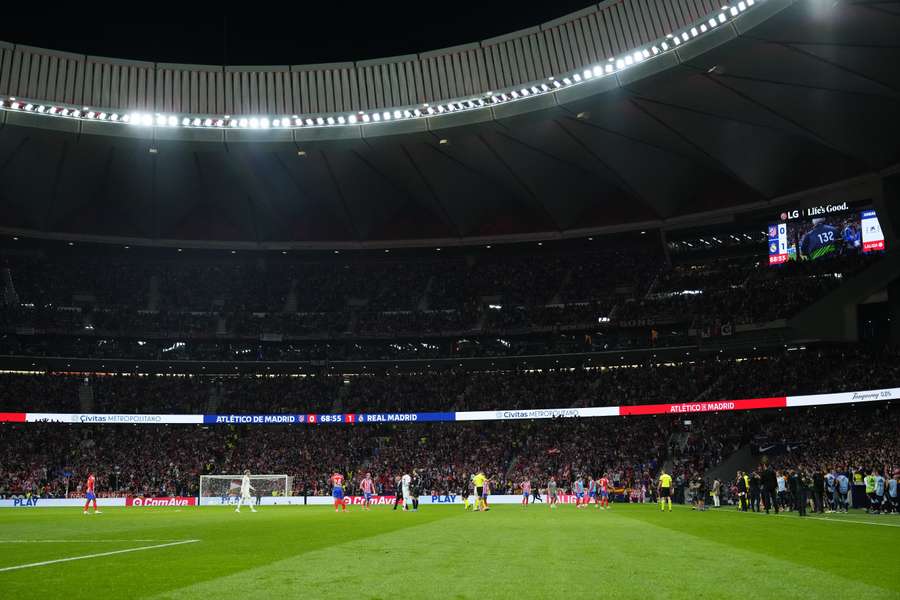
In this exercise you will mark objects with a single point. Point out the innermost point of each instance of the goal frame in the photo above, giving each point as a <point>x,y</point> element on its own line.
<point>284,488</point>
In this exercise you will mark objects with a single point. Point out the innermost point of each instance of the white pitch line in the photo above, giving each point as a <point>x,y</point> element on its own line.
<point>98,555</point>
<point>839,520</point>
<point>79,541</point>
<point>829,519</point>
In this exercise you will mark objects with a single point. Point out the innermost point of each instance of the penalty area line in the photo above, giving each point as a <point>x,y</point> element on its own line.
<point>97,555</point>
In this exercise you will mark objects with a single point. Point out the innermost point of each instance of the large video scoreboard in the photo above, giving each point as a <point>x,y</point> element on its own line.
<point>818,232</point>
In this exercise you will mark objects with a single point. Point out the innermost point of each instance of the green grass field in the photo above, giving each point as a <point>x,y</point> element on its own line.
<point>443,552</point>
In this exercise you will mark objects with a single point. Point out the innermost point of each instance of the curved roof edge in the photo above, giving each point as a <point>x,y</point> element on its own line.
<point>581,55</point>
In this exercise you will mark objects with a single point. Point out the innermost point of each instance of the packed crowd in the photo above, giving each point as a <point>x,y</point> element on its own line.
<point>327,391</point>
<point>53,460</point>
<point>606,290</point>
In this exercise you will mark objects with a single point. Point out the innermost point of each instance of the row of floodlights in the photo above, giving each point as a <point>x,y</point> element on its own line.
<point>613,65</point>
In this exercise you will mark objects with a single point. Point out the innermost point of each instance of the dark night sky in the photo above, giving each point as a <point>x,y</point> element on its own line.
<point>298,34</point>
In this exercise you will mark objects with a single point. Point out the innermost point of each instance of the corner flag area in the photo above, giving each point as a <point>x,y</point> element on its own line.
<point>444,552</point>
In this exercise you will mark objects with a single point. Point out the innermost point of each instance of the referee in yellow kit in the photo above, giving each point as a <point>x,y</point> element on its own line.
<point>664,490</point>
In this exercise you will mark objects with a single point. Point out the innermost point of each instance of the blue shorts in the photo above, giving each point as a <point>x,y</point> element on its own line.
<point>90,496</point>
<point>604,494</point>
<point>526,494</point>
<point>338,493</point>
<point>593,494</point>
<point>579,495</point>
<point>367,496</point>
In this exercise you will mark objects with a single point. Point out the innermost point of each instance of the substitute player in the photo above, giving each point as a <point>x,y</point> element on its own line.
<point>579,493</point>
<point>245,493</point>
<point>592,492</point>
<point>337,492</point>
<point>90,494</point>
<point>665,490</point>
<point>368,489</point>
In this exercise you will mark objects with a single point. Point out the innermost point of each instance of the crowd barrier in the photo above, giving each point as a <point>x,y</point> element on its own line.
<point>882,395</point>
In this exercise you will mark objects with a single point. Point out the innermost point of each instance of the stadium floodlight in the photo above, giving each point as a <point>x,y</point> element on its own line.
<point>398,114</point>
<point>351,119</point>
<point>225,489</point>
<point>664,46</point>
<point>598,71</point>
<point>207,122</point>
<point>114,117</point>
<point>320,121</point>
<point>620,64</point>
<point>567,81</point>
<point>702,27</point>
<point>677,40</point>
<point>587,74</point>
<point>576,78</point>
<point>685,37</point>
<point>254,123</point>
<point>330,120</point>
<point>694,32</point>
<point>242,123</point>
<point>712,23</point>
<point>365,118</point>
<point>310,122</point>
<point>264,123</point>
<point>171,121</point>
<point>722,18</point>
<point>376,117</point>
<point>386,116</point>
<point>742,6</point>
<point>146,120</point>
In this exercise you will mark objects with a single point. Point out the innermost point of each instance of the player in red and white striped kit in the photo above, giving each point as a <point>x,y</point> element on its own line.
<point>368,489</point>
<point>604,491</point>
<point>91,495</point>
<point>526,491</point>
<point>337,492</point>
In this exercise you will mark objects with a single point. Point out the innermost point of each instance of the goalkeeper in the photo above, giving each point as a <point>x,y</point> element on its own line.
<point>245,493</point>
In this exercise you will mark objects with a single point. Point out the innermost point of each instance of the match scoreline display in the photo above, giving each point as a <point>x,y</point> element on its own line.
<point>481,415</point>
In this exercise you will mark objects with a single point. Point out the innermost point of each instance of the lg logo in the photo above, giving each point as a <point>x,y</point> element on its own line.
<point>790,215</point>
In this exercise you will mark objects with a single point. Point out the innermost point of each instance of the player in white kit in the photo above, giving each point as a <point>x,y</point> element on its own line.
<point>405,482</point>
<point>245,493</point>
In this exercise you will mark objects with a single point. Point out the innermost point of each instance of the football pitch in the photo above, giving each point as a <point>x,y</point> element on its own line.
<point>628,551</point>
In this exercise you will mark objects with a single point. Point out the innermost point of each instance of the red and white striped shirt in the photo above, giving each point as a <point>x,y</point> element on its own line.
<point>367,486</point>
<point>90,484</point>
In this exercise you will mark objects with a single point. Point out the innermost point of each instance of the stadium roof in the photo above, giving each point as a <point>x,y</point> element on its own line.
<point>787,97</point>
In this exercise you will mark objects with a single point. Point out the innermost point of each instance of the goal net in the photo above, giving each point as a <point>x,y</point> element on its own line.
<point>226,489</point>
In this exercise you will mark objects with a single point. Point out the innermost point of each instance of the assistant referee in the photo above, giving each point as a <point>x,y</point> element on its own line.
<point>664,490</point>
